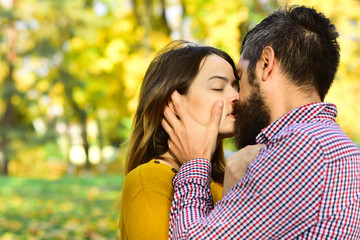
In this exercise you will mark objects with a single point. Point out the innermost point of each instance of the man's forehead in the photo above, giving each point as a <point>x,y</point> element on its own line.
<point>242,65</point>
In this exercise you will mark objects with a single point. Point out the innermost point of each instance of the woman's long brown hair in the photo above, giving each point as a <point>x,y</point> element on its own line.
<point>174,68</point>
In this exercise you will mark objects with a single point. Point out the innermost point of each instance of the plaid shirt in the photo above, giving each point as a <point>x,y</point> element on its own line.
<point>304,184</point>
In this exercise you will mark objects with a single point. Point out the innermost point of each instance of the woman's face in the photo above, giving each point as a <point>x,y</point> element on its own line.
<point>215,81</point>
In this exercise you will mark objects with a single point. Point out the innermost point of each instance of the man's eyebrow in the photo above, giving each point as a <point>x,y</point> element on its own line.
<point>219,77</point>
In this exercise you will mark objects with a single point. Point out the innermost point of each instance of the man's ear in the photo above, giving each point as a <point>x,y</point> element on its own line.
<point>267,60</point>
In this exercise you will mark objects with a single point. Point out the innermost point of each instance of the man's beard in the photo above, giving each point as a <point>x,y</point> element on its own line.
<point>252,116</point>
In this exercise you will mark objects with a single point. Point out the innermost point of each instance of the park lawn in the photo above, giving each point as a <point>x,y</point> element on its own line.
<point>68,208</point>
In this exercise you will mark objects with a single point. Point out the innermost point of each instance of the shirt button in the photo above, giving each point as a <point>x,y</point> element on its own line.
<point>156,162</point>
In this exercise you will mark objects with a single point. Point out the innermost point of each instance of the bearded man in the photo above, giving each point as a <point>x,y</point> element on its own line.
<point>305,181</point>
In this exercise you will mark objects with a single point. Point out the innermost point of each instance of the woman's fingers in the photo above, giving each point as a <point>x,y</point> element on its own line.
<point>236,165</point>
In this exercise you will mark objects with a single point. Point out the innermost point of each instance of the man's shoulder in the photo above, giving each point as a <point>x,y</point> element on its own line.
<point>312,129</point>
<point>319,133</point>
<point>328,135</point>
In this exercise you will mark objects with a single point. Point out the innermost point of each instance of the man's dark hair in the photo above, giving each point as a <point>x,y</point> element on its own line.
<point>304,42</point>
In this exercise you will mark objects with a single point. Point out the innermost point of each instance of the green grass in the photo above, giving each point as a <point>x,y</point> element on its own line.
<point>68,208</point>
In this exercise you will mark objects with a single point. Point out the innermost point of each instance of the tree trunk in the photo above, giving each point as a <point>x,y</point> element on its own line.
<point>142,12</point>
<point>7,121</point>
<point>102,165</point>
<point>82,116</point>
<point>163,18</point>
<point>8,94</point>
<point>85,139</point>
<point>4,146</point>
<point>71,168</point>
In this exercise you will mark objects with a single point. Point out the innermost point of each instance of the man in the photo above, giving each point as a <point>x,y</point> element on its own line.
<point>305,182</point>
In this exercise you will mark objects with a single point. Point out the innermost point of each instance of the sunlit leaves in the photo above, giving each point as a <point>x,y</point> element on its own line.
<point>90,57</point>
<point>216,22</point>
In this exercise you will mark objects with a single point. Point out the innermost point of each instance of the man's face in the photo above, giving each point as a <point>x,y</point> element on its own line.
<point>252,114</point>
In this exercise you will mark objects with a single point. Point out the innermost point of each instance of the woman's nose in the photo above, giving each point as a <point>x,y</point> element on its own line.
<point>234,96</point>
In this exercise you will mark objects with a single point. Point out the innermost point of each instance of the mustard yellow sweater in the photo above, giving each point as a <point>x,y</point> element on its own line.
<point>146,201</point>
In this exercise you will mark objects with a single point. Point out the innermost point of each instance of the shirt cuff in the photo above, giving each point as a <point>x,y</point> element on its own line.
<point>196,170</point>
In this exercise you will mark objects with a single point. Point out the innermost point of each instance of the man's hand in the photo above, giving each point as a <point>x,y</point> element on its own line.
<point>188,138</point>
<point>237,164</point>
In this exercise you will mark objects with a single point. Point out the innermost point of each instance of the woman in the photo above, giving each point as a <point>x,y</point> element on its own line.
<point>202,75</point>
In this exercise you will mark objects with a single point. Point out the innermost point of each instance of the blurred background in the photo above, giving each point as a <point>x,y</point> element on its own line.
<point>70,73</point>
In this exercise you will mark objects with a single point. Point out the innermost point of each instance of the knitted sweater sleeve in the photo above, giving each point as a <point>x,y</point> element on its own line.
<point>144,213</point>
<point>148,216</point>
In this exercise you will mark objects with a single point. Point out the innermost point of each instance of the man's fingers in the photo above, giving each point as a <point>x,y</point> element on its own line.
<point>216,114</point>
<point>179,106</point>
<point>255,149</point>
<point>167,127</point>
<point>252,148</point>
<point>172,136</point>
<point>170,117</point>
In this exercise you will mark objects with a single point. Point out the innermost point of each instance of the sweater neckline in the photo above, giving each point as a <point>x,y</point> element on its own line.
<point>157,162</point>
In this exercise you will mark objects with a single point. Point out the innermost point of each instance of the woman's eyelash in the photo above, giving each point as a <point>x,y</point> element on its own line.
<point>218,89</point>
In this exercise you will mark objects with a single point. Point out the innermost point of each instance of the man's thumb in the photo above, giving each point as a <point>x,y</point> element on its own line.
<point>216,113</point>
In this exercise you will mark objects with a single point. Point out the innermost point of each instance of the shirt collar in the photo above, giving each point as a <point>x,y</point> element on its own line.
<point>306,113</point>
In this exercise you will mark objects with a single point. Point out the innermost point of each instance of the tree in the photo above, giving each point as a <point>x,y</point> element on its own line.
<point>75,62</point>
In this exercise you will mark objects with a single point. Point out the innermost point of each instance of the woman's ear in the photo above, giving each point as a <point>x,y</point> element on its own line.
<point>267,60</point>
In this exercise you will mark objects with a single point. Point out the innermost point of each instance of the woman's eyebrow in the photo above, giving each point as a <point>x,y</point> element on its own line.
<point>219,77</point>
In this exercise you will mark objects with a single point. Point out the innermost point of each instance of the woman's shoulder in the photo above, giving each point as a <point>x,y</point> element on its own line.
<point>216,191</point>
<point>150,171</point>
<point>146,201</point>
<point>153,176</point>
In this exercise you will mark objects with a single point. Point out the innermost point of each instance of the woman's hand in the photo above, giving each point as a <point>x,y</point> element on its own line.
<point>237,164</point>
